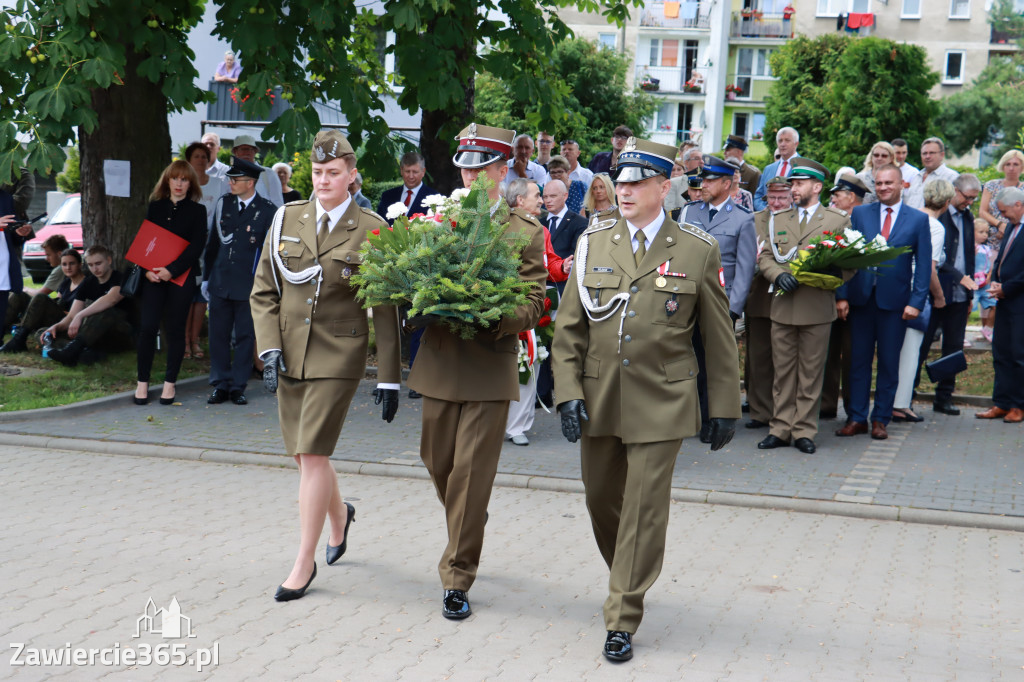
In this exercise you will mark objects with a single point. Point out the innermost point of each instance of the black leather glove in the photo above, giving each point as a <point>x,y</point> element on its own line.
<point>418,321</point>
<point>733,316</point>
<point>787,282</point>
<point>572,411</point>
<point>272,364</point>
<point>389,397</point>
<point>722,431</point>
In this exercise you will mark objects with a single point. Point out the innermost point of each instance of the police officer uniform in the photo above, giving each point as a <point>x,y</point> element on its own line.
<point>304,306</point>
<point>624,340</point>
<point>732,226</point>
<point>801,319</point>
<point>759,370</point>
<point>232,253</point>
<point>467,385</point>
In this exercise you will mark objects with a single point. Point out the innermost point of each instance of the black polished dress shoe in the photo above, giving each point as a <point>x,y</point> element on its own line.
<point>335,553</point>
<point>455,605</point>
<point>618,646</point>
<point>705,433</point>
<point>238,398</point>
<point>218,396</point>
<point>946,408</point>
<point>805,445</point>
<point>771,442</point>
<point>755,424</point>
<point>287,594</point>
<point>413,395</point>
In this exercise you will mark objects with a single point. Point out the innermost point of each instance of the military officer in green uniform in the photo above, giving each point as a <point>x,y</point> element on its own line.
<point>312,334</point>
<point>467,383</point>
<point>802,317</point>
<point>625,372</point>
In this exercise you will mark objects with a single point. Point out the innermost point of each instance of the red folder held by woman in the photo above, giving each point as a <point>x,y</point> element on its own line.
<point>156,247</point>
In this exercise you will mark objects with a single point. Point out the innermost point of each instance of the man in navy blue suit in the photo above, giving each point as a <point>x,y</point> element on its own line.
<point>1007,287</point>
<point>10,252</point>
<point>879,301</point>
<point>412,192</point>
<point>786,141</point>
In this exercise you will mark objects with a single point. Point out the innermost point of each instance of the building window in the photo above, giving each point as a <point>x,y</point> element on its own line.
<point>833,8</point>
<point>739,124</point>
<point>953,74</point>
<point>959,9</point>
<point>664,52</point>
<point>752,65</point>
<point>607,40</point>
<point>911,9</point>
<point>665,117</point>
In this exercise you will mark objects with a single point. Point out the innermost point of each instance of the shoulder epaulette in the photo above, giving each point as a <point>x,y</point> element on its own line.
<point>372,214</point>
<point>695,201</point>
<point>742,208</point>
<point>837,210</point>
<point>697,232</point>
<point>297,202</point>
<point>599,225</point>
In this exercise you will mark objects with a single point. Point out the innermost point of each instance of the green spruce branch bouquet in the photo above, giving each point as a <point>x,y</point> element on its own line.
<point>457,262</point>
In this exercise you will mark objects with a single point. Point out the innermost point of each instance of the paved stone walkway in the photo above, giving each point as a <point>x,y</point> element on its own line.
<point>945,464</point>
<point>745,594</point>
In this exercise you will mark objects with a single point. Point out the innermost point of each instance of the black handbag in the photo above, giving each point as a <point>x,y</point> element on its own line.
<point>946,367</point>
<point>130,286</point>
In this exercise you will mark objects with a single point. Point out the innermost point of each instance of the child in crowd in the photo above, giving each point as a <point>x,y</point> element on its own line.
<point>982,264</point>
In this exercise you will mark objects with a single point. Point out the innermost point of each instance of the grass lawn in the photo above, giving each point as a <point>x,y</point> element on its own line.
<point>59,385</point>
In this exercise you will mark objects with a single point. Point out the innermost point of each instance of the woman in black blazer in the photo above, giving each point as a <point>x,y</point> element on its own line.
<point>173,206</point>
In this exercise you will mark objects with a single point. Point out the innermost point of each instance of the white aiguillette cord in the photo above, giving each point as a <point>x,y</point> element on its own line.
<point>591,307</point>
<point>779,258</point>
<point>302,277</point>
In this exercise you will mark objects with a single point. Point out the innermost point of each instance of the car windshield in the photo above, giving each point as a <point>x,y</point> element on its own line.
<point>69,213</point>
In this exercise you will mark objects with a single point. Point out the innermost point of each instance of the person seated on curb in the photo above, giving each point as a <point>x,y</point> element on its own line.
<point>44,311</point>
<point>17,301</point>
<point>99,315</point>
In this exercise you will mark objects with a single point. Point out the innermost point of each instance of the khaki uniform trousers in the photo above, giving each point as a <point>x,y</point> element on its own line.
<point>460,445</point>
<point>759,368</point>
<point>837,367</point>
<point>628,491</point>
<point>798,353</point>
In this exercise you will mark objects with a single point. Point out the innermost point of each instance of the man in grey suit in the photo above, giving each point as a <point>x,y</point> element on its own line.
<point>733,228</point>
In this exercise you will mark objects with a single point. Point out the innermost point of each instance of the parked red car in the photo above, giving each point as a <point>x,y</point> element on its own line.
<point>66,220</point>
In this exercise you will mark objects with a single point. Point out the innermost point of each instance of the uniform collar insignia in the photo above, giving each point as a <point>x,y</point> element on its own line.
<point>630,145</point>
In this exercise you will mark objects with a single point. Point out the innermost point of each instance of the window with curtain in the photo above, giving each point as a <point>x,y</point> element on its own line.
<point>911,8</point>
<point>960,9</point>
<point>664,52</point>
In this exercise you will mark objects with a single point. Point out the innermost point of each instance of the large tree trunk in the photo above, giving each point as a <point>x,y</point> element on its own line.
<point>132,127</point>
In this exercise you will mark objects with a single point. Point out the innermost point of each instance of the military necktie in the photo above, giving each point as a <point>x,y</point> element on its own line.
<point>641,249</point>
<point>803,222</point>
<point>321,234</point>
<point>712,213</point>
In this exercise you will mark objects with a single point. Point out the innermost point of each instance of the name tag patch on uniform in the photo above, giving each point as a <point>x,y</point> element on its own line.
<point>721,277</point>
<point>596,269</point>
<point>290,239</point>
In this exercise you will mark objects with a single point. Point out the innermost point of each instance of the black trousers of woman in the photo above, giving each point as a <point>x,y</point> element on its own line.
<point>170,304</point>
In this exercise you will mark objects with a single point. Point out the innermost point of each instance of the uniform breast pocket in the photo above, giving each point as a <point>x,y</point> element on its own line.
<point>356,326</point>
<point>293,253</point>
<point>344,264</point>
<point>673,303</point>
<point>601,285</point>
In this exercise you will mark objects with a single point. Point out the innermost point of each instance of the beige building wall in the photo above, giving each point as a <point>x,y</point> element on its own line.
<point>944,36</point>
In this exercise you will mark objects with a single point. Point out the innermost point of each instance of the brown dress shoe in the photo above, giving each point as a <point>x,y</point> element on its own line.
<point>992,413</point>
<point>1014,416</point>
<point>852,429</point>
<point>878,431</point>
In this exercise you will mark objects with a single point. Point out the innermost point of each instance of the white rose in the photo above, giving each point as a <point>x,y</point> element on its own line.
<point>435,200</point>
<point>852,235</point>
<point>396,209</point>
<point>460,194</point>
<point>879,241</point>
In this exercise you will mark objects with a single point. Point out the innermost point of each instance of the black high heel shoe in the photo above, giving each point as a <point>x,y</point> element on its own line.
<point>141,401</point>
<point>167,401</point>
<point>287,594</point>
<point>335,553</point>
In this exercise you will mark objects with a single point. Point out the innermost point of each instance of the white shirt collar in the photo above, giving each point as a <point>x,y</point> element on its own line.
<point>415,192</point>
<point>244,203</point>
<point>895,212</point>
<point>721,206</point>
<point>335,213</point>
<point>650,232</point>
<point>560,214</point>
<point>810,210</point>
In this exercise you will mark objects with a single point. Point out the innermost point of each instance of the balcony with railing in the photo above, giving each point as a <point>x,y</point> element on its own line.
<point>1004,40</point>
<point>670,79</point>
<point>676,15</point>
<point>748,24</point>
<point>751,89</point>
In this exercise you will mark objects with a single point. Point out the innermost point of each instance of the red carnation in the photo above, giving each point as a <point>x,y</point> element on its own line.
<point>414,216</point>
<point>544,321</point>
<point>547,304</point>
<point>376,232</point>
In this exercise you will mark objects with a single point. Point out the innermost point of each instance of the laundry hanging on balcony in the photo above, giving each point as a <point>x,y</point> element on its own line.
<point>671,10</point>
<point>860,20</point>
<point>689,10</point>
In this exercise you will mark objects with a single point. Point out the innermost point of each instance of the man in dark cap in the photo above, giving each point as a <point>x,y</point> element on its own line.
<point>312,334</point>
<point>639,286</point>
<point>848,193</point>
<point>750,177</point>
<point>268,185</point>
<point>802,316</point>
<point>467,384</point>
<point>732,226</point>
<point>240,223</point>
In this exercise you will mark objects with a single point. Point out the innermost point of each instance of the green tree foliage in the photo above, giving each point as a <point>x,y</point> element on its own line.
<point>994,102</point>
<point>597,102</point>
<point>844,94</point>
<point>70,180</point>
